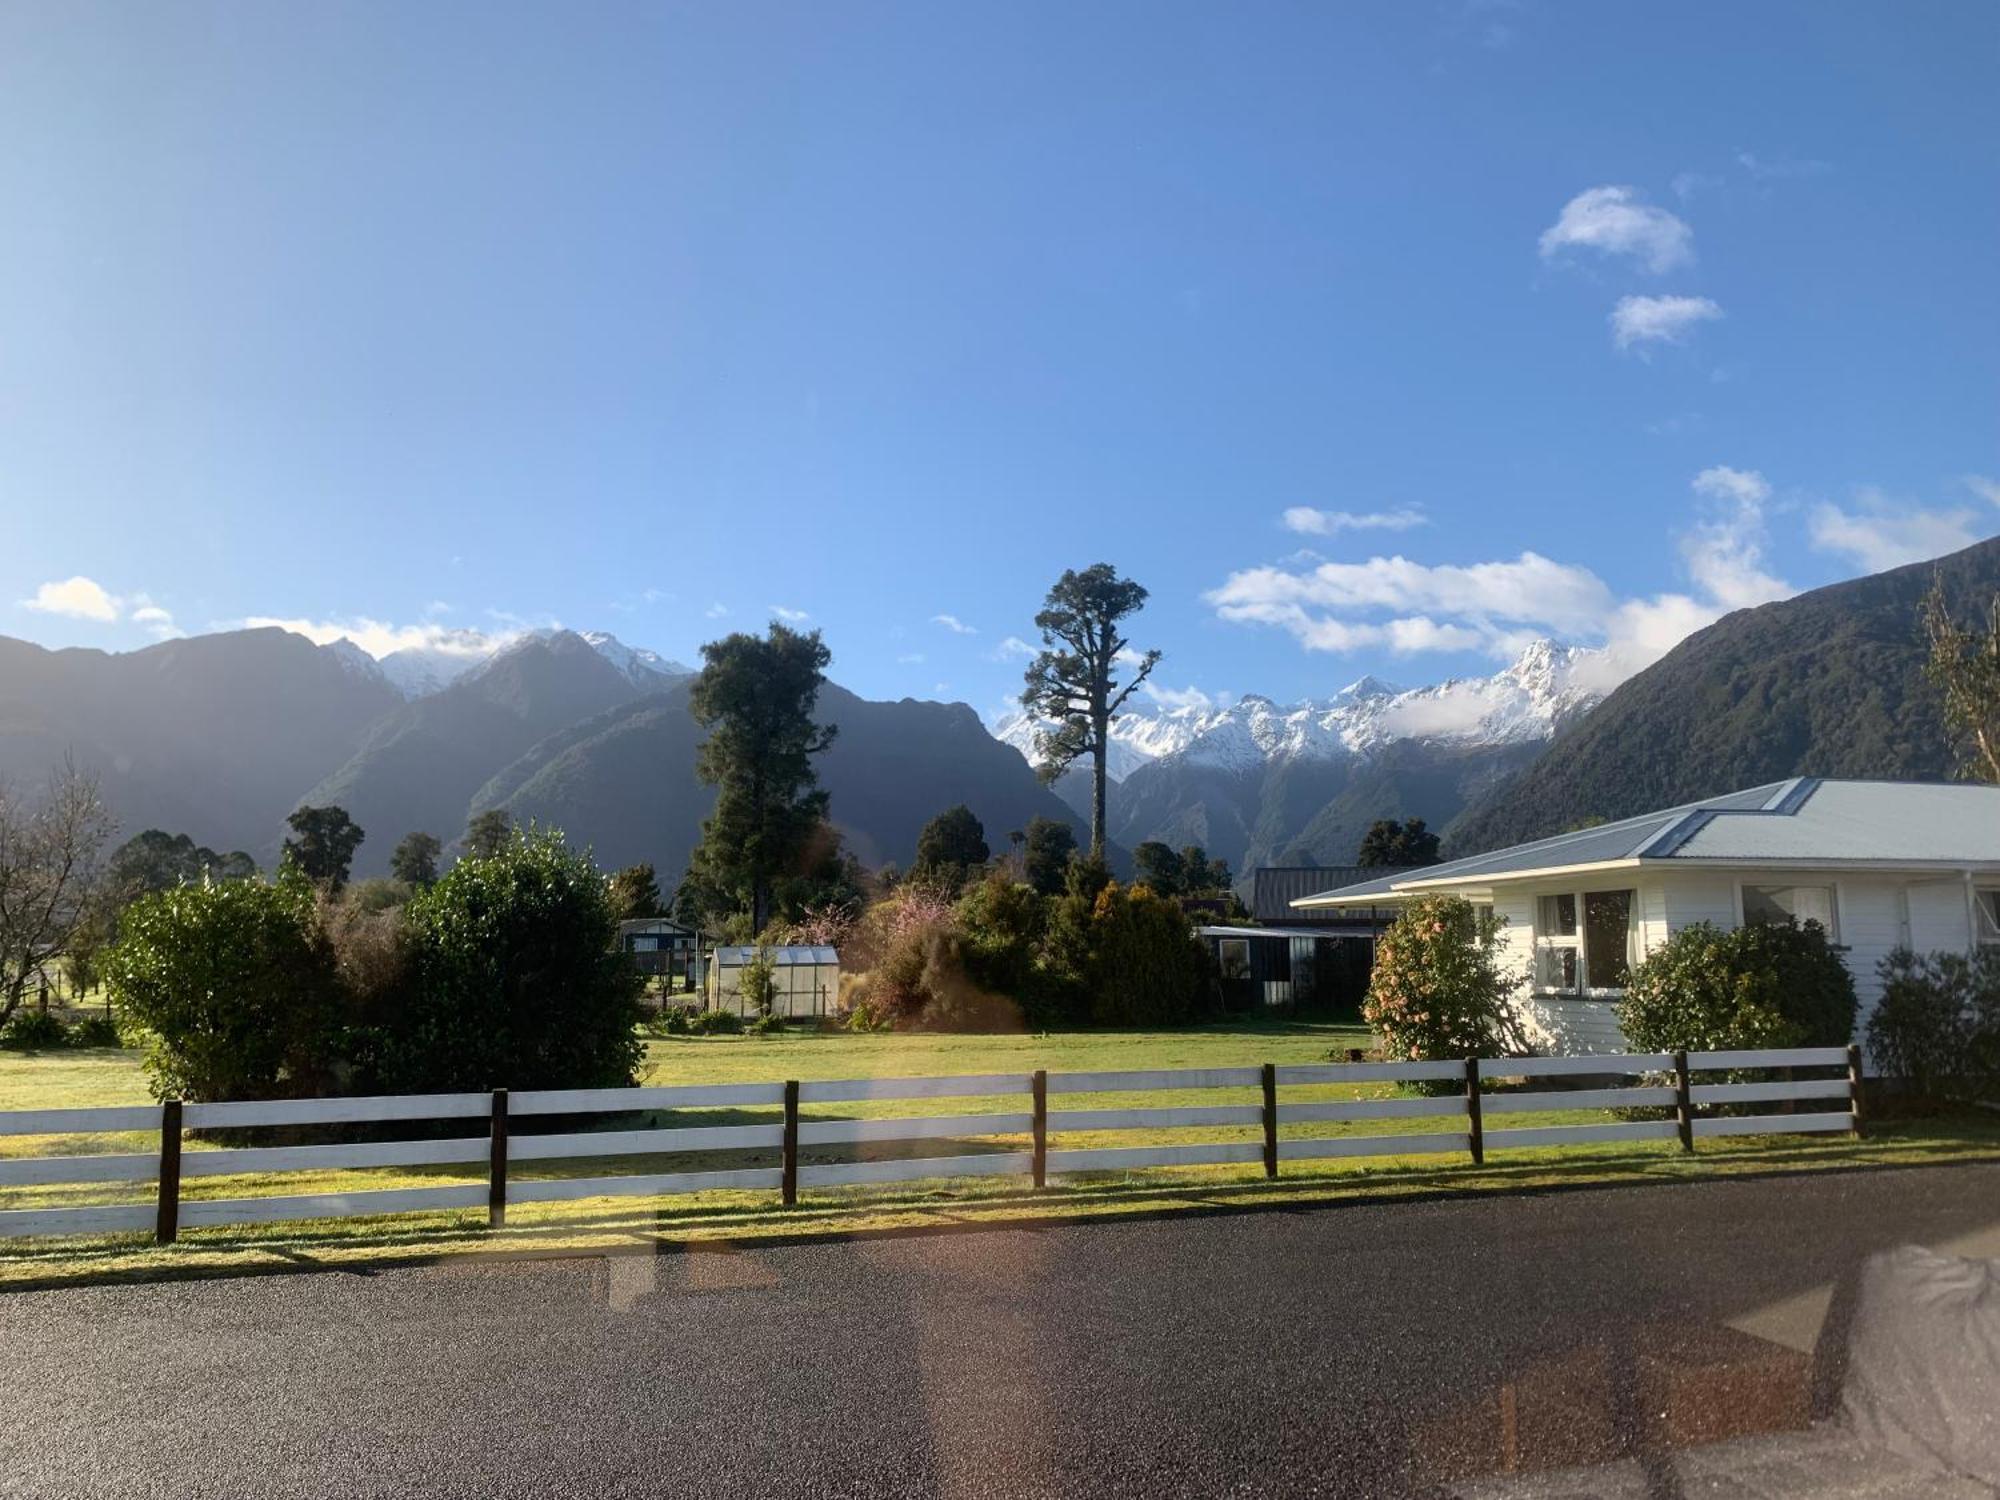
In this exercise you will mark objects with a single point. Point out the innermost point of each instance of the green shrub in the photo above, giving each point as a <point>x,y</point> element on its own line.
<point>96,1030</point>
<point>1147,967</point>
<point>1936,1028</point>
<point>766,1025</point>
<point>715,1023</point>
<point>672,1020</point>
<point>1437,990</point>
<point>758,982</point>
<point>30,1030</point>
<point>238,986</point>
<point>513,980</point>
<point>1710,989</point>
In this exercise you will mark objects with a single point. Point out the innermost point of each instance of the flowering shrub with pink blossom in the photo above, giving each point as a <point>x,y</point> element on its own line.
<point>1438,990</point>
<point>830,925</point>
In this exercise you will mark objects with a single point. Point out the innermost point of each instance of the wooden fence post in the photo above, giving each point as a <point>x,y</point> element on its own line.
<point>1475,1123</point>
<point>496,1165</point>
<point>1270,1119</point>
<point>1683,1101</point>
<point>167,1226</point>
<point>1855,1108</point>
<point>1040,1087</point>
<point>791,1167</point>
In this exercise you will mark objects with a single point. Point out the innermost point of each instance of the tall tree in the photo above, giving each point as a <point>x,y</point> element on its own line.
<point>635,893</point>
<point>1047,847</point>
<point>415,861</point>
<point>1070,682</point>
<point>488,834</point>
<point>49,848</point>
<point>1965,666</point>
<point>950,845</point>
<point>323,843</point>
<point>1156,864</point>
<point>1388,842</point>
<point>156,860</point>
<point>756,697</point>
<point>1200,875</point>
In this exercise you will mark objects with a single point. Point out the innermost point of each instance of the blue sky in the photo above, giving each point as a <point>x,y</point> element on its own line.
<point>653,319</point>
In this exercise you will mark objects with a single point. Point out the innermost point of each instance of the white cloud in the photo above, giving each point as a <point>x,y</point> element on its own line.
<point>1881,532</point>
<point>1986,489</point>
<point>955,625</point>
<point>1616,221</point>
<point>1640,320</point>
<point>716,611</point>
<point>790,616</point>
<point>1744,486</point>
<point>1309,522</point>
<point>1013,648</point>
<point>155,621</point>
<point>1453,708</point>
<point>77,598</point>
<point>1172,698</point>
<point>81,598</point>
<point>1498,608</point>
<point>379,638</point>
<point>1528,589</point>
<point>910,659</point>
<point>1725,551</point>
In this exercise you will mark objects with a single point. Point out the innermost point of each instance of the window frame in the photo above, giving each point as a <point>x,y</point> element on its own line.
<point>1578,942</point>
<point>1985,916</point>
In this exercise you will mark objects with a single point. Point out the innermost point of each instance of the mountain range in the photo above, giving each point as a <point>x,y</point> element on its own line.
<point>1256,782</point>
<point>221,736</point>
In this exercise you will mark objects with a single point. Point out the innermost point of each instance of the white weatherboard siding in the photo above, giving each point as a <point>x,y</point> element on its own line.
<point>1870,915</point>
<point>1566,1026</point>
<point>1699,896</point>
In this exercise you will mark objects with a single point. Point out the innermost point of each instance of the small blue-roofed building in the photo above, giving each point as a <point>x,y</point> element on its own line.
<point>1878,864</point>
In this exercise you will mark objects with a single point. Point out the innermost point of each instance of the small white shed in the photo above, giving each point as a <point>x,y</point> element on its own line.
<point>806,979</point>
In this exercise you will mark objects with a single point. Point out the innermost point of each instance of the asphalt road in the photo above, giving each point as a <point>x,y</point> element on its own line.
<point>1358,1350</point>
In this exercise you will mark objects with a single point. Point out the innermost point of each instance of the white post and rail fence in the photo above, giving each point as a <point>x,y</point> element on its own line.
<point>1465,1112</point>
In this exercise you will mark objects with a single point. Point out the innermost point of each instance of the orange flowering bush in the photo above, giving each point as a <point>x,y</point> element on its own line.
<point>1438,990</point>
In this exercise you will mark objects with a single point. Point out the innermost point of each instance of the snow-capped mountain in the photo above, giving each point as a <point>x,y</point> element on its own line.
<point>419,671</point>
<point>636,662</point>
<point>1525,702</point>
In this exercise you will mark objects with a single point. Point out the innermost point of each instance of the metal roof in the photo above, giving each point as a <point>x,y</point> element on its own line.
<point>1805,820</point>
<point>1275,887</point>
<point>787,955</point>
<point>655,924</point>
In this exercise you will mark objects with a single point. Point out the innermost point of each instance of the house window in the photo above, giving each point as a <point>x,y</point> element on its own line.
<point>1987,910</point>
<point>1781,905</point>
<point>645,943</point>
<point>1234,955</point>
<point>1595,953</point>
<point>1558,950</point>
<point>1607,938</point>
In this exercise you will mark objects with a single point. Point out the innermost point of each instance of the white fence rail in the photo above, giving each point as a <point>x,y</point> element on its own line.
<point>1663,1081</point>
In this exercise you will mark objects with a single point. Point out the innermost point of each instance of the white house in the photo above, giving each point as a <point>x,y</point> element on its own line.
<point>1880,864</point>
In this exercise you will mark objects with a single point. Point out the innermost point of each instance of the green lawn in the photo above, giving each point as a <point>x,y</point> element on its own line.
<point>70,1079</point>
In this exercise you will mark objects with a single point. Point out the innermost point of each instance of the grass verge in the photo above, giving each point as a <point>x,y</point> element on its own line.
<point>715,1220</point>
